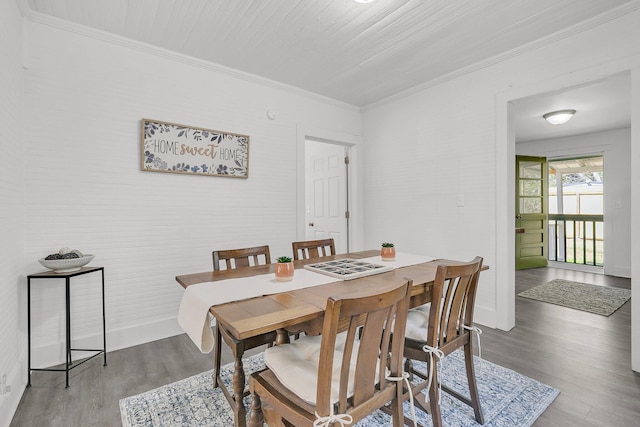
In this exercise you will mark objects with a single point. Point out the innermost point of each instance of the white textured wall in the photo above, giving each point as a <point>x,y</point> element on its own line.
<point>85,98</point>
<point>77,170</point>
<point>422,152</point>
<point>449,139</point>
<point>615,145</point>
<point>12,172</point>
<point>635,213</point>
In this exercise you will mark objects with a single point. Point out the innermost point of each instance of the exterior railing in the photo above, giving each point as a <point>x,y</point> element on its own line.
<point>576,239</point>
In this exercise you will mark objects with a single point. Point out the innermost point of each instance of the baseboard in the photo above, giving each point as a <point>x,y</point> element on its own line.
<point>9,400</point>
<point>54,354</point>
<point>576,267</point>
<point>484,316</point>
<point>142,334</point>
<point>618,272</point>
<point>608,270</point>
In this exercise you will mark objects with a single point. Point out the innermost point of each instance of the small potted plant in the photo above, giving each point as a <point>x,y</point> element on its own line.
<point>284,269</point>
<point>388,252</point>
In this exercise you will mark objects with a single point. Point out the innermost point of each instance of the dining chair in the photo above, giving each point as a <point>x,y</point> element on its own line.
<point>313,249</point>
<point>237,258</point>
<point>334,377</point>
<point>437,329</point>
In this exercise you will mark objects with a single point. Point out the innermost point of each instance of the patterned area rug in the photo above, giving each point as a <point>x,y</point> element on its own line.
<point>508,399</point>
<point>582,296</point>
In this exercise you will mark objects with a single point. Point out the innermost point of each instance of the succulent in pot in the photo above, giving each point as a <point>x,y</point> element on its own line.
<point>388,252</point>
<point>284,269</point>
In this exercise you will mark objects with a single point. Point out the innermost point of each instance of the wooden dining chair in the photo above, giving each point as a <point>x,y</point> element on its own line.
<point>335,376</point>
<point>313,249</point>
<point>237,258</point>
<point>443,326</point>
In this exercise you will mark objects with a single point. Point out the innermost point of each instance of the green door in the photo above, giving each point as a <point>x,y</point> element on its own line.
<point>531,212</point>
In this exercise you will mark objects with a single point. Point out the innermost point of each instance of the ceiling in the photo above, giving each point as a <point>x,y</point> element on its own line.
<point>355,53</point>
<point>600,105</point>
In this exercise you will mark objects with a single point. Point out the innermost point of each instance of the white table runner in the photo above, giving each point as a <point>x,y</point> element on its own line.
<point>402,260</point>
<point>193,315</point>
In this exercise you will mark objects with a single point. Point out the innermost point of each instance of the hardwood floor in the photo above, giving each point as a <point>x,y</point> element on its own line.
<point>586,356</point>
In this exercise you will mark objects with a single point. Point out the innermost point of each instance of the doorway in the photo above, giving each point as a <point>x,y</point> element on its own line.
<point>326,193</point>
<point>576,211</point>
<point>505,155</point>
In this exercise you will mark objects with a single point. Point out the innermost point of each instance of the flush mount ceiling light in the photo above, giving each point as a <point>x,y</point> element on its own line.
<point>364,1</point>
<point>559,117</point>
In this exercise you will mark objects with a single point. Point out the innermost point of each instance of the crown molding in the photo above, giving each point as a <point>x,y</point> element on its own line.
<point>51,21</point>
<point>520,50</point>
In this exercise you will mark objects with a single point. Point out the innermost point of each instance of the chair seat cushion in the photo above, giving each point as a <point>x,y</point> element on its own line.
<point>296,366</point>
<point>417,323</point>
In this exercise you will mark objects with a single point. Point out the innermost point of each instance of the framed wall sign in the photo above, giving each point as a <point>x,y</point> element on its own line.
<point>174,148</point>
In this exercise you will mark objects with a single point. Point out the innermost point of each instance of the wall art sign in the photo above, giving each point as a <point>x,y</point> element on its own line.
<point>174,148</point>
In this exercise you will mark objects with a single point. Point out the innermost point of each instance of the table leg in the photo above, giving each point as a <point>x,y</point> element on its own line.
<point>29,332</point>
<point>240,412</point>
<point>68,309</point>
<point>217,343</point>
<point>104,324</point>
<point>282,337</point>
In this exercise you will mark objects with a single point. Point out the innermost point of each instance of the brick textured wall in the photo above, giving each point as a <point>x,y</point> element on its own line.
<point>12,149</point>
<point>85,190</point>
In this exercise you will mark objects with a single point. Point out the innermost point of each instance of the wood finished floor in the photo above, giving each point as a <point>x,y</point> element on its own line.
<point>586,356</point>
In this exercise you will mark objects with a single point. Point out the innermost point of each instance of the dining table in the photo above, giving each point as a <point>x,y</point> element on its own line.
<point>301,310</point>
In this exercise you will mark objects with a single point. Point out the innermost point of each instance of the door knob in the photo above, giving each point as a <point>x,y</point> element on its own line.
<point>518,216</point>
<point>310,224</point>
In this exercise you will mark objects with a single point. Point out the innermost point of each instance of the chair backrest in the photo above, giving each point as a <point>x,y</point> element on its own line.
<point>236,258</point>
<point>313,249</point>
<point>453,300</point>
<point>376,314</point>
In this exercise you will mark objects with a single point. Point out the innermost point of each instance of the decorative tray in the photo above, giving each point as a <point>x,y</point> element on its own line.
<point>347,268</point>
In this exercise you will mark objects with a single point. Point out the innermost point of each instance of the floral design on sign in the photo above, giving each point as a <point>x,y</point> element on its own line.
<point>170,147</point>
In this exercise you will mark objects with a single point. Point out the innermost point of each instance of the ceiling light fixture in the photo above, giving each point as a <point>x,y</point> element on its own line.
<point>364,1</point>
<point>559,117</point>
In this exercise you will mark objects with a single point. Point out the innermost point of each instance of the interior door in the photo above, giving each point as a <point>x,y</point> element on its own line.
<point>326,193</point>
<point>531,212</point>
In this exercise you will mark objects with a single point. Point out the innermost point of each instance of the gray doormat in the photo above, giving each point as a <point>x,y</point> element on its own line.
<point>582,296</point>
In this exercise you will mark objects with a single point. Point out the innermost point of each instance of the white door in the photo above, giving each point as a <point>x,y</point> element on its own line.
<point>326,193</point>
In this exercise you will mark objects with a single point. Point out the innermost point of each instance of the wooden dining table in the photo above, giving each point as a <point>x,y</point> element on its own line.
<point>300,310</point>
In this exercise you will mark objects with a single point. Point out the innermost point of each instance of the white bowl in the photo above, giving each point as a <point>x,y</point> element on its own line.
<point>66,265</point>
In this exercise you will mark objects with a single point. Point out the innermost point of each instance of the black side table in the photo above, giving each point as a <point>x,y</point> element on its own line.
<point>69,364</point>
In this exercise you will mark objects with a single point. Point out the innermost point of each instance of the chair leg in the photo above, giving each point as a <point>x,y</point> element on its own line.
<point>397,415</point>
<point>217,354</point>
<point>471,379</point>
<point>273,419</point>
<point>434,397</point>
<point>408,368</point>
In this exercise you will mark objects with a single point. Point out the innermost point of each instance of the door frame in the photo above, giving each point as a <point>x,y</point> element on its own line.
<point>354,181</point>
<point>345,152</point>
<point>505,188</point>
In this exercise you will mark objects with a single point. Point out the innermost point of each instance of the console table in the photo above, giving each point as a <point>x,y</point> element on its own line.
<point>69,363</point>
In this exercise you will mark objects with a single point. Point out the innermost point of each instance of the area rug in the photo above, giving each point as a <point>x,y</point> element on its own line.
<point>508,399</point>
<point>582,296</point>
